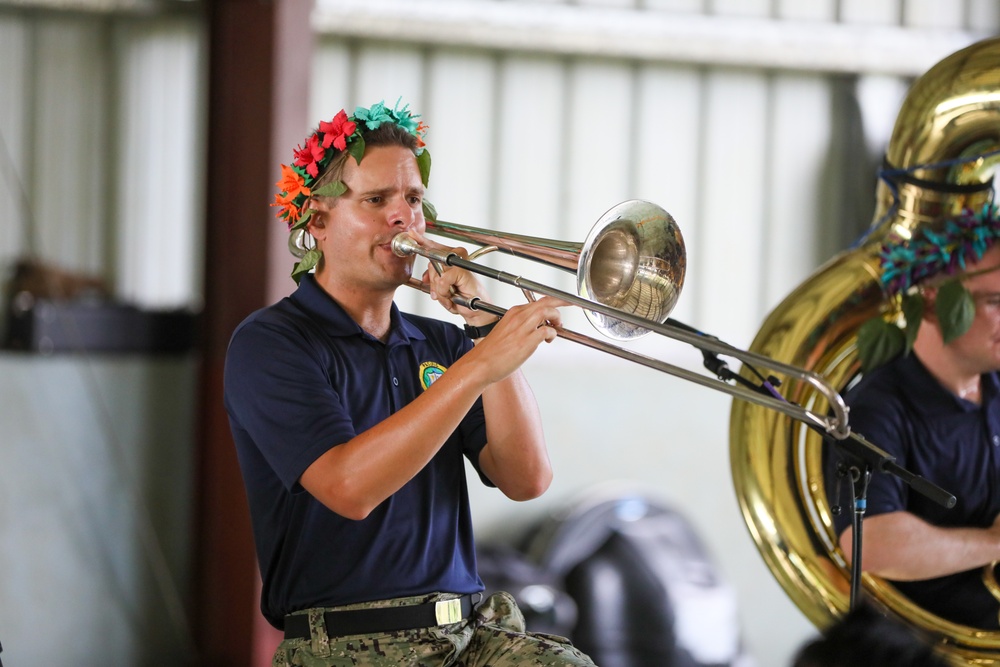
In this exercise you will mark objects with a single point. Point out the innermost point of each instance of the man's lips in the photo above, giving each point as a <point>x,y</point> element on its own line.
<point>386,245</point>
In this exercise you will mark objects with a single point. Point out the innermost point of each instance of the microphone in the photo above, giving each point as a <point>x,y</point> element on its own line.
<point>721,369</point>
<point>712,361</point>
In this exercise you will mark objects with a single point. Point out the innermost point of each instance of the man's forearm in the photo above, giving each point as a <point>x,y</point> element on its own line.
<point>904,547</point>
<point>515,457</point>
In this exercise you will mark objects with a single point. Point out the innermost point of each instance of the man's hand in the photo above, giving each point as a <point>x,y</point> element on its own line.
<point>452,280</point>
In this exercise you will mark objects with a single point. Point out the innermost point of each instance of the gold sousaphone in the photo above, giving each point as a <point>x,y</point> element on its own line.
<point>951,114</point>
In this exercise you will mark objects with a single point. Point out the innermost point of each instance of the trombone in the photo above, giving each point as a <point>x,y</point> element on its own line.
<point>630,271</point>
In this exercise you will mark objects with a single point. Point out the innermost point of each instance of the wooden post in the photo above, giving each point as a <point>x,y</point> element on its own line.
<point>260,60</point>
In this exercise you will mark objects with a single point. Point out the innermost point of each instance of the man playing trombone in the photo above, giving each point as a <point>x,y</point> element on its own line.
<point>351,420</point>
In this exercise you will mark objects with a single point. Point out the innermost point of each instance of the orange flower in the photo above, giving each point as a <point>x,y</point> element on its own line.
<point>292,184</point>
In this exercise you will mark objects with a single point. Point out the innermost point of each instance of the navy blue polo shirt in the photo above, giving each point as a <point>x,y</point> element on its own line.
<point>952,442</point>
<point>301,377</point>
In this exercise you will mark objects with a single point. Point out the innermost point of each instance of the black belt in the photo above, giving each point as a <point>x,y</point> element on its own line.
<point>383,619</point>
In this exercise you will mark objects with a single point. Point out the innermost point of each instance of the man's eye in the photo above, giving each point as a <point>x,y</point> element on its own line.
<point>990,300</point>
<point>375,200</point>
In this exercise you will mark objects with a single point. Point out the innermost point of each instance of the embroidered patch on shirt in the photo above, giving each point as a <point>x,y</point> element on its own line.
<point>429,372</point>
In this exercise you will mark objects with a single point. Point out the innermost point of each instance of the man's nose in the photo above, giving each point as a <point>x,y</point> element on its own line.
<point>401,214</point>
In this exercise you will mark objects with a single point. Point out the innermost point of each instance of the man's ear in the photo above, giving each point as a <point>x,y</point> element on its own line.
<point>930,299</point>
<point>317,221</point>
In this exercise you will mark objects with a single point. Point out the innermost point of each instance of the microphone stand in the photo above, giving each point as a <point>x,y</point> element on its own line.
<point>871,458</point>
<point>859,484</point>
<point>854,445</point>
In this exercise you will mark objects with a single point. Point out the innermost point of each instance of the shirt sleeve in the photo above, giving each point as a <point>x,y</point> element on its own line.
<point>880,419</point>
<point>277,391</point>
<point>473,426</point>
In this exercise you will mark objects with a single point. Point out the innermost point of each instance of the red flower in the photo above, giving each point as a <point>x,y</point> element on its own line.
<point>337,131</point>
<point>310,156</point>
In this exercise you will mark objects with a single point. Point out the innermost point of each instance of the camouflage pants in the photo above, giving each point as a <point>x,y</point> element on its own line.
<point>493,637</point>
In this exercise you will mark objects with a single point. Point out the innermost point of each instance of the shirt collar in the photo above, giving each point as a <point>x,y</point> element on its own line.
<point>921,385</point>
<point>335,321</point>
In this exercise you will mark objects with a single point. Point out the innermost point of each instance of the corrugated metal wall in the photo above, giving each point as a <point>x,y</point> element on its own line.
<point>101,118</point>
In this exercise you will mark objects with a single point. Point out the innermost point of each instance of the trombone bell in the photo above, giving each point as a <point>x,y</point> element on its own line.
<point>633,260</point>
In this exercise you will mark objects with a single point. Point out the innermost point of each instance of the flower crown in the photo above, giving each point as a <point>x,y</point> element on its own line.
<point>932,252</point>
<point>905,264</point>
<point>332,138</point>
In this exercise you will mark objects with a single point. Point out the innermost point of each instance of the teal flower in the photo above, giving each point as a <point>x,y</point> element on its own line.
<point>404,118</point>
<point>374,116</point>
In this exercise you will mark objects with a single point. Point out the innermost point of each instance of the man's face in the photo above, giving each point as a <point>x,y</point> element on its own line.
<point>979,348</point>
<point>384,198</point>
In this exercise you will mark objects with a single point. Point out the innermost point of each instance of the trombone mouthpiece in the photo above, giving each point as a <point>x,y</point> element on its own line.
<point>404,245</point>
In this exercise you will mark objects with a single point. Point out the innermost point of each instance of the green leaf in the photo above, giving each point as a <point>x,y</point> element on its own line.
<point>879,342</point>
<point>333,189</point>
<point>306,264</point>
<point>302,221</point>
<point>357,148</point>
<point>430,213</point>
<point>913,311</point>
<point>955,309</point>
<point>424,164</point>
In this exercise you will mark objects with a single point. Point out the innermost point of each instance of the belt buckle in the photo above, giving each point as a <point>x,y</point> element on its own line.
<point>448,611</point>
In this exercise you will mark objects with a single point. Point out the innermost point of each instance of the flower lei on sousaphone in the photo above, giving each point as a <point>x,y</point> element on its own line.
<point>342,133</point>
<point>907,264</point>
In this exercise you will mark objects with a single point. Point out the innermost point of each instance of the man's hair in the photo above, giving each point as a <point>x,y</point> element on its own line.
<point>386,134</point>
<point>866,638</point>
